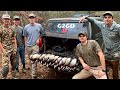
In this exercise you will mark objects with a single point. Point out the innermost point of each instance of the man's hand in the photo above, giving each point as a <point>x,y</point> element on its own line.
<point>117,55</point>
<point>86,67</point>
<point>100,73</point>
<point>82,19</point>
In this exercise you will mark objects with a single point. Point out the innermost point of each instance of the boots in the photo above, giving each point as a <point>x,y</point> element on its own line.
<point>13,74</point>
<point>4,72</point>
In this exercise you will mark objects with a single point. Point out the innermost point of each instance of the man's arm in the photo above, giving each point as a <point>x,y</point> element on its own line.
<point>102,60</point>
<point>84,18</point>
<point>1,46</point>
<point>2,49</point>
<point>85,66</point>
<point>119,31</point>
<point>41,30</point>
<point>15,42</point>
<point>100,54</point>
<point>25,40</point>
<point>81,60</point>
<point>24,35</point>
<point>90,19</point>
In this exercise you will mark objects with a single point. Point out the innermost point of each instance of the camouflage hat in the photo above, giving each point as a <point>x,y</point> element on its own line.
<point>108,13</point>
<point>5,16</point>
<point>16,17</point>
<point>82,33</point>
<point>31,15</point>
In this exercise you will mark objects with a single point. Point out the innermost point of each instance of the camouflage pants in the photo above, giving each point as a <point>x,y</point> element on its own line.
<point>112,61</point>
<point>6,57</point>
<point>31,50</point>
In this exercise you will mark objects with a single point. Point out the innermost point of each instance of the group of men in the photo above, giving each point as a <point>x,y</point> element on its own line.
<point>13,41</point>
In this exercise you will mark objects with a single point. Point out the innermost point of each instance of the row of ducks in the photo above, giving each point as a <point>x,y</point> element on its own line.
<point>59,63</point>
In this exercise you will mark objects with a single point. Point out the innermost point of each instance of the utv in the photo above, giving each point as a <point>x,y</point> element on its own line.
<point>60,40</point>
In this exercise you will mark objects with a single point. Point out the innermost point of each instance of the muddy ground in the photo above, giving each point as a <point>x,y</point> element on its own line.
<point>43,72</point>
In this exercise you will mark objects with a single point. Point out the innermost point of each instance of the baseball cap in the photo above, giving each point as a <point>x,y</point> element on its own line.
<point>5,16</point>
<point>31,15</point>
<point>16,17</point>
<point>108,13</point>
<point>82,33</point>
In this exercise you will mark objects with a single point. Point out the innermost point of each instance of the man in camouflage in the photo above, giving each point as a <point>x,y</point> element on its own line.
<point>91,58</point>
<point>111,36</point>
<point>8,47</point>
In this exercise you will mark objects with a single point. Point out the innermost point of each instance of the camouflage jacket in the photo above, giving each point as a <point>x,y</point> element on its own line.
<point>6,38</point>
<point>111,35</point>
